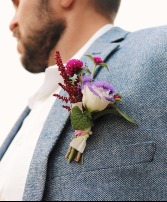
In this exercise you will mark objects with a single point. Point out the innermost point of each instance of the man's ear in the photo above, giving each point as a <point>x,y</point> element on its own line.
<point>66,3</point>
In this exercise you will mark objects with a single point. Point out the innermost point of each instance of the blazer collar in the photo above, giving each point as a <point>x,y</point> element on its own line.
<point>104,47</point>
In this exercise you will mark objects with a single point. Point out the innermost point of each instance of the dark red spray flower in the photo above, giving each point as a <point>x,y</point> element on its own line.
<point>71,87</point>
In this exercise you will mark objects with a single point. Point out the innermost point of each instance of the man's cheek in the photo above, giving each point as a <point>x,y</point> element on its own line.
<point>20,47</point>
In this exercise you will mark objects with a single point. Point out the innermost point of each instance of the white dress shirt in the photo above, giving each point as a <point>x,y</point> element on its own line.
<point>15,164</point>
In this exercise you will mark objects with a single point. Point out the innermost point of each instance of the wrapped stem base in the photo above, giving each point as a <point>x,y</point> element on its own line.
<point>78,145</point>
<point>73,155</point>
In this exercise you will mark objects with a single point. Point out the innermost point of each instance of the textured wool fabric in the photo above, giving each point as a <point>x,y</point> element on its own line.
<point>122,162</point>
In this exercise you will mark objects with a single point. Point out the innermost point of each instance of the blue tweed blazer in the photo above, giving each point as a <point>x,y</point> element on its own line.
<point>123,162</point>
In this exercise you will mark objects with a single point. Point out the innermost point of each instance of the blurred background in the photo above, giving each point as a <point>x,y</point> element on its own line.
<point>17,85</point>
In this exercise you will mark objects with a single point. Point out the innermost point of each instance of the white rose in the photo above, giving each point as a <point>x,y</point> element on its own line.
<point>96,101</point>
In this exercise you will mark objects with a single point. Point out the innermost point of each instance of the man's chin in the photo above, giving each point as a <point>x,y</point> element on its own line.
<point>31,67</point>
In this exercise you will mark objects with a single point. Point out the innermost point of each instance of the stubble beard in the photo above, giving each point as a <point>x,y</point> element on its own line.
<point>39,45</point>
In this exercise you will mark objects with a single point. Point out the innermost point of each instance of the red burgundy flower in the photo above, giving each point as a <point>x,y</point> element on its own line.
<point>73,66</point>
<point>117,97</point>
<point>98,60</point>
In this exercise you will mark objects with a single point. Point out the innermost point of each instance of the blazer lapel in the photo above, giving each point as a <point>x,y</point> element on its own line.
<point>57,119</point>
<point>13,133</point>
<point>106,46</point>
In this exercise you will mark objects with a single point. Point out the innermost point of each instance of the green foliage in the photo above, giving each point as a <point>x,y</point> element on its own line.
<point>80,120</point>
<point>84,70</point>
<point>114,110</point>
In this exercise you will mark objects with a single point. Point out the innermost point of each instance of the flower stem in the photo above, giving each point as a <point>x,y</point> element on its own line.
<point>68,153</point>
<point>80,78</point>
<point>82,158</point>
<point>72,155</point>
<point>78,157</point>
<point>93,72</point>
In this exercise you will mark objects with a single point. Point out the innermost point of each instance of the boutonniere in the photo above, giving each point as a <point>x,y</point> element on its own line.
<point>87,101</point>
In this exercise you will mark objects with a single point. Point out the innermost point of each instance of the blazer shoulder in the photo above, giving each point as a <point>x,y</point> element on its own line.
<point>153,40</point>
<point>156,34</point>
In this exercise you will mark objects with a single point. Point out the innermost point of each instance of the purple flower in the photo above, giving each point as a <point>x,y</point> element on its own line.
<point>105,86</point>
<point>97,95</point>
<point>85,80</point>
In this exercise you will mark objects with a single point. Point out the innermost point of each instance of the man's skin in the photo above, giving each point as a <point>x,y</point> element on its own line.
<point>80,19</point>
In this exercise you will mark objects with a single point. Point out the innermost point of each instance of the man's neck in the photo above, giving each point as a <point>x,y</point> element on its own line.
<point>77,33</point>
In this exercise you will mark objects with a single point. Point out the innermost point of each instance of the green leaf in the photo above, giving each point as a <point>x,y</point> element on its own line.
<point>79,120</point>
<point>92,58</point>
<point>84,70</point>
<point>104,65</point>
<point>125,116</point>
<point>113,110</point>
<point>103,113</point>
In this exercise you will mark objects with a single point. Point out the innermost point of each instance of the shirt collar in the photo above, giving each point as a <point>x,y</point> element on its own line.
<point>48,88</point>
